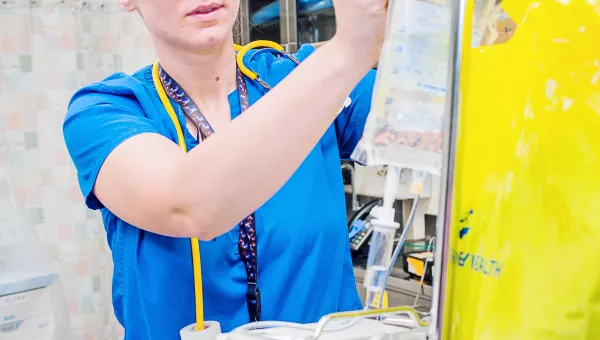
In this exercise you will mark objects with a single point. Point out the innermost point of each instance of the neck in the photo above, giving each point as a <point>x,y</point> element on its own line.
<point>206,76</point>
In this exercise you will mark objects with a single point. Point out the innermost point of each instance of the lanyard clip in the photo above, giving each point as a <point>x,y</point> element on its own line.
<point>253,301</point>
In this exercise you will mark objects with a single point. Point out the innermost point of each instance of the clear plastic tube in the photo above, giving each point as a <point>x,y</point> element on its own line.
<point>382,240</point>
<point>380,253</point>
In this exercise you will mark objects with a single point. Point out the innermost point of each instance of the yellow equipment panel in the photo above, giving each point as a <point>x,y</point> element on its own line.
<point>525,236</point>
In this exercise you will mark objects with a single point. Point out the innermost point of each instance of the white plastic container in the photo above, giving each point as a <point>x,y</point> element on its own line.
<point>211,331</point>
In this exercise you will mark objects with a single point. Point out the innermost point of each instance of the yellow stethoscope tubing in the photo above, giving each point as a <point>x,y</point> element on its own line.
<point>255,44</point>
<point>241,52</point>
<point>196,263</point>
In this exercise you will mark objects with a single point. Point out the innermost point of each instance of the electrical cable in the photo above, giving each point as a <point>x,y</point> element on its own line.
<point>429,248</point>
<point>247,332</point>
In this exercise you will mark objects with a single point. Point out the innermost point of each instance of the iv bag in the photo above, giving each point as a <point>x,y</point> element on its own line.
<point>404,127</point>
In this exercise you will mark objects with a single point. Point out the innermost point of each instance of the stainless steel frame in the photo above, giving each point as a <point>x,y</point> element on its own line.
<point>288,24</point>
<point>450,136</point>
<point>241,30</point>
<point>288,13</point>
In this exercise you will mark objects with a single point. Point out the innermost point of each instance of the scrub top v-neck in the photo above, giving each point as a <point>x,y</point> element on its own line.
<point>305,267</point>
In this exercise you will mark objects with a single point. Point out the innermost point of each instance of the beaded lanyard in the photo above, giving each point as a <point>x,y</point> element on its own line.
<point>247,235</point>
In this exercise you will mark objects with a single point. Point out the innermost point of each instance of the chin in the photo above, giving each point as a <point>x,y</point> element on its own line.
<point>209,38</point>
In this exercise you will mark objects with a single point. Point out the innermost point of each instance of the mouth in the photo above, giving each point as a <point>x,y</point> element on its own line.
<point>206,11</point>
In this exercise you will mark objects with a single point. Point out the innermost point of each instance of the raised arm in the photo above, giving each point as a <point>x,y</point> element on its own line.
<point>150,183</point>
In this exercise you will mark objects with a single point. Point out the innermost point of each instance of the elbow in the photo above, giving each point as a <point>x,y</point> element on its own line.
<point>187,222</point>
<point>189,213</point>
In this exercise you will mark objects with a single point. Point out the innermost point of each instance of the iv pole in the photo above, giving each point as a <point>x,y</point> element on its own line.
<point>449,151</point>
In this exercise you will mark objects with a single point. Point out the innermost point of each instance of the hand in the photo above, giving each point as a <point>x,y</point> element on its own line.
<point>361,28</point>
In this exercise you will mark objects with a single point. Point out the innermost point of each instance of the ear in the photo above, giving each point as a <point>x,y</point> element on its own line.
<point>127,5</point>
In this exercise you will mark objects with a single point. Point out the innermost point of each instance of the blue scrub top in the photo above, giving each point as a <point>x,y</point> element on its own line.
<point>304,265</point>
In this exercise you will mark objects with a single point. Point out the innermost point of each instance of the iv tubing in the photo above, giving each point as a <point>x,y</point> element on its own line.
<point>400,244</point>
<point>391,187</point>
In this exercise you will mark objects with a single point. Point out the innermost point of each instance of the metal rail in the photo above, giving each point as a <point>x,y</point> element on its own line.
<point>450,136</point>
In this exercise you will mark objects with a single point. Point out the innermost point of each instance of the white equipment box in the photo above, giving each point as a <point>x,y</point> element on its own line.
<point>30,307</point>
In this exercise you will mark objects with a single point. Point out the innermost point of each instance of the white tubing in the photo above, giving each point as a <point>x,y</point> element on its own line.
<point>392,181</point>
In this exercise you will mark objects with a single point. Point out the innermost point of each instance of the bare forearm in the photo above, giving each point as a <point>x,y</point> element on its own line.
<point>243,165</point>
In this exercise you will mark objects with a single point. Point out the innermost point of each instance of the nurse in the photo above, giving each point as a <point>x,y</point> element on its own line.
<point>260,187</point>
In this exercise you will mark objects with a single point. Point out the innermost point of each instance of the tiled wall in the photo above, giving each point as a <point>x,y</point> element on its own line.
<point>48,49</point>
